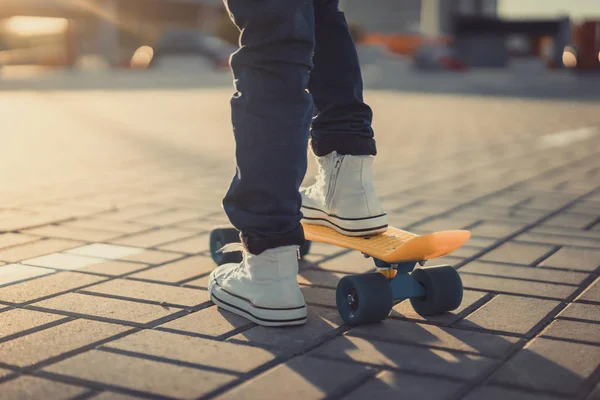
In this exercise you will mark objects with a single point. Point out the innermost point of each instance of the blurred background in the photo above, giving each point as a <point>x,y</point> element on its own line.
<point>41,36</point>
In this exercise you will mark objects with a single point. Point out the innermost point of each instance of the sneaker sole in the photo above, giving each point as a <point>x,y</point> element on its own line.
<point>346,226</point>
<point>259,315</point>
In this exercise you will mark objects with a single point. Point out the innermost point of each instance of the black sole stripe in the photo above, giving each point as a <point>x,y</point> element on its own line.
<point>254,305</point>
<point>254,316</point>
<point>342,218</point>
<point>347,230</point>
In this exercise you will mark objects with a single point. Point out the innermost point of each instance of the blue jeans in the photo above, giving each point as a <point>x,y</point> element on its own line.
<point>296,74</point>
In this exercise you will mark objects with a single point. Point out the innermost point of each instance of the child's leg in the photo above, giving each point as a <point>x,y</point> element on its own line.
<point>271,114</point>
<point>342,139</point>
<point>343,121</point>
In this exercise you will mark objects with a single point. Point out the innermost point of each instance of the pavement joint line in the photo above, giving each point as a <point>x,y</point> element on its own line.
<point>540,267</point>
<point>528,227</point>
<point>72,290</point>
<point>520,279</point>
<point>369,374</point>
<point>130,324</point>
<point>407,343</point>
<point>545,256</point>
<point>74,352</point>
<point>589,384</point>
<point>93,385</point>
<point>505,189</point>
<point>87,395</point>
<point>524,389</point>
<point>166,360</point>
<point>536,331</point>
<point>163,304</point>
<point>589,226</point>
<point>385,368</point>
<point>569,340</point>
<point>30,278</point>
<point>527,295</point>
<point>36,329</point>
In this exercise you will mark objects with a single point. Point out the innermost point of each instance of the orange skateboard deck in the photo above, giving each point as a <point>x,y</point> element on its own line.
<point>394,245</point>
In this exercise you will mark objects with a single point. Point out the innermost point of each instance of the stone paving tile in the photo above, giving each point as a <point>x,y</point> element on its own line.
<point>14,239</point>
<point>408,358</point>
<point>501,393</point>
<point>517,253</point>
<point>304,377</point>
<point>496,229</point>
<point>591,294</point>
<point>586,312</point>
<point>170,217</point>
<point>551,365</point>
<point>17,272</point>
<point>193,245</point>
<point>154,237</point>
<point>62,261</point>
<point>480,242</point>
<point>525,273</point>
<point>34,249</point>
<point>559,239</point>
<point>113,268</point>
<point>209,322</point>
<point>199,225</point>
<point>322,323</point>
<point>403,332</point>
<point>19,320</point>
<point>578,233</point>
<point>446,223</point>
<point>350,263</point>
<point>226,356</point>
<point>42,345</point>
<point>106,251</point>
<point>5,372</point>
<point>201,282</point>
<point>571,220</point>
<point>574,259</point>
<point>471,300</point>
<point>573,330</point>
<point>511,314</point>
<point>114,396</point>
<point>46,286</point>
<point>185,297</point>
<point>132,212</point>
<point>74,233</point>
<point>122,227</point>
<point>141,375</point>
<point>123,253</point>
<point>319,296</point>
<point>179,270</point>
<point>320,278</point>
<point>390,385</point>
<point>31,387</point>
<point>516,286</point>
<point>114,309</point>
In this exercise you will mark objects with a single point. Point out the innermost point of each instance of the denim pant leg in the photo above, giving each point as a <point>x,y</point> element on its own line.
<point>342,120</point>
<point>271,115</point>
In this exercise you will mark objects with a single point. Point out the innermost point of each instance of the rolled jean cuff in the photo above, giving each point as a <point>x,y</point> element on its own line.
<point>344,144</point>
<point>258,244</point>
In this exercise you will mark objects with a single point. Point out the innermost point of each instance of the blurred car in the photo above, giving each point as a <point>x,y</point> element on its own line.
<point>189,44</point>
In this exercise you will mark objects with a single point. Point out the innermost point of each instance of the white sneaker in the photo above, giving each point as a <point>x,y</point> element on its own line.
<point>262,288</point>
<point>343,197</point>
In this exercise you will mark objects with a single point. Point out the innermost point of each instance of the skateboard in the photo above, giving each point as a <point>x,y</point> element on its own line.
<point>369,297</point>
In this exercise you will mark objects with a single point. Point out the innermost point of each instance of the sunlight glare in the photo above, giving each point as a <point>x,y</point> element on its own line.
<point>34,26</point>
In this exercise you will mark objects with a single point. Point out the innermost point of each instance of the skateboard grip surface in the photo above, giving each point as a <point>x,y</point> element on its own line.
<point>394,245</point>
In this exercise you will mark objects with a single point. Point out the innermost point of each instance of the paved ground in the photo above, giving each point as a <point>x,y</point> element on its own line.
<point>106,198</point>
